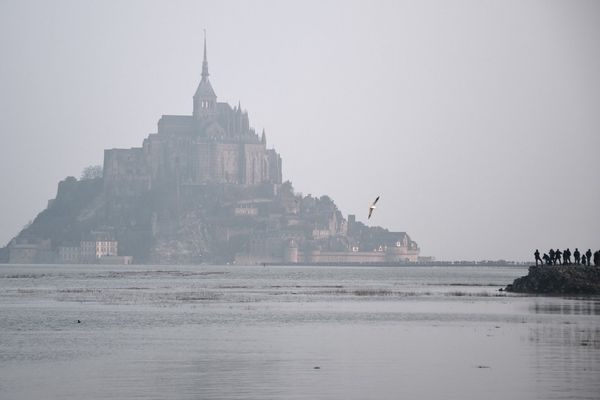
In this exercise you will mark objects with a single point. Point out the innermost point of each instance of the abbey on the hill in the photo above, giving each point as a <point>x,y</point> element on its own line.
<point>203,189</point>
<point>213,145</point>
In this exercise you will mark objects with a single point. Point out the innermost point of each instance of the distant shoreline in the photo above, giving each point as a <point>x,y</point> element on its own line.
<point>409,264</point>
<point>273,264</point>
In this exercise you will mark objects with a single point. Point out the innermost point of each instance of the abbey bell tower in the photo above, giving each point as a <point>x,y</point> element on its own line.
<point>205,99</point>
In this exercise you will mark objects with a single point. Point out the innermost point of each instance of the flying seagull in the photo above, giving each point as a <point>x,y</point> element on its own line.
<point>372,207</point>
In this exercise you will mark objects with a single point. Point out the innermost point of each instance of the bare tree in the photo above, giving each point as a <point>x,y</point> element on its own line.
<point>91,172</point>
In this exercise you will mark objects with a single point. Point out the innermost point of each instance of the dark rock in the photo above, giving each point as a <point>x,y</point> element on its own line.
<point>558,279</point>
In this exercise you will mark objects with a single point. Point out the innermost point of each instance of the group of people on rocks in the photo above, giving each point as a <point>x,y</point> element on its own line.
<point>564,257</point>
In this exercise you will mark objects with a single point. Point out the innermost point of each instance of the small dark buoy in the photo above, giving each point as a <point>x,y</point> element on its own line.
<point>317,367</point>
<point>78,321</point>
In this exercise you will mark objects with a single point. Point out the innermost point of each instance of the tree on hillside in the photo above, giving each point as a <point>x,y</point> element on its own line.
<point>91,172</point>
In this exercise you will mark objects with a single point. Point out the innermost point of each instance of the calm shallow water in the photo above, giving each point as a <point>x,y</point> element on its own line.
<point>290,333</point>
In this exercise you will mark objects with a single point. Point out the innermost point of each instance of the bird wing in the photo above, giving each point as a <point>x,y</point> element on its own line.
<point>370,212</point>
<point>376,200</point>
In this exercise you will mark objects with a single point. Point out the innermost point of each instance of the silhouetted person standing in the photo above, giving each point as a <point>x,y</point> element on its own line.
<point>583,260</point>
<point>567,257</point>
<point>588,254</point>
<point>577,256</point>
<point>552,255</point>
<point>597,258</point>
<point>557,256</point>
<point>537,257</point>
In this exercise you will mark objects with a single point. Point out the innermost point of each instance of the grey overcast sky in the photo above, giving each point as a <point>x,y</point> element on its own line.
<point>477,122</point>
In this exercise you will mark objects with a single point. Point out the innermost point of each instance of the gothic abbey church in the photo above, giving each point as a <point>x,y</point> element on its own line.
<point>213,145</point>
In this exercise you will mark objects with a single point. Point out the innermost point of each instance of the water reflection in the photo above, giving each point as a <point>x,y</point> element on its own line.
<point>566,335</point>
<point>566,359</point>
<point>566,306</point>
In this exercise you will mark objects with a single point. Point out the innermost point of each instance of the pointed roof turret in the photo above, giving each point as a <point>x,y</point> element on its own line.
<point>205,88</point>
<point>205,99</point>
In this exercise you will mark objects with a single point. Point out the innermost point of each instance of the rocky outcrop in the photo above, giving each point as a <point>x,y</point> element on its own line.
<point>558,279</point>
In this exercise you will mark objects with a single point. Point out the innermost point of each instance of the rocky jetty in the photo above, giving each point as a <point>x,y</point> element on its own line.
<point>558,279</point>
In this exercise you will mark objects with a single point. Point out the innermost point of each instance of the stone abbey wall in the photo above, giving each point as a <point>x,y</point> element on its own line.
<point>213,145</point>
<point>190,160</point>
<point>125,171</point>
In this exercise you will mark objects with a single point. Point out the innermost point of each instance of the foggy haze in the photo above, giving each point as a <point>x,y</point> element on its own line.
<point>477,122</point>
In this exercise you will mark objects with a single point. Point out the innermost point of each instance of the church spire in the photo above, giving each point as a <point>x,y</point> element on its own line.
<point>204,61</point>
<point>205,99</point>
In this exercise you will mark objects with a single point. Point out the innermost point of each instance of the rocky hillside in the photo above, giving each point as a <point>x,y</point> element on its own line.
<point>173,223</point>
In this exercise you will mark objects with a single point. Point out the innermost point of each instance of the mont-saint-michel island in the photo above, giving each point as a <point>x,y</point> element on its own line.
<point>205,188</point>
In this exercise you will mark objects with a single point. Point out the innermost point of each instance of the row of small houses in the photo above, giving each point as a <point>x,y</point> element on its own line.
<point>32,251</point>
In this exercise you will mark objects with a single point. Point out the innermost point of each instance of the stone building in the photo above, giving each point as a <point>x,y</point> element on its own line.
<point>30,250</point>
<point>68,254</point>
<point>93,250</point>
<point>213,145</point>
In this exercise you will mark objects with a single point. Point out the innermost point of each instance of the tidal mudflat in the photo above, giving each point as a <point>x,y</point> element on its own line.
<point>213,332</point>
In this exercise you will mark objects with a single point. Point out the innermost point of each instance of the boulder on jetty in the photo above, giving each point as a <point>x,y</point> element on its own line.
<point>558,279</point>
